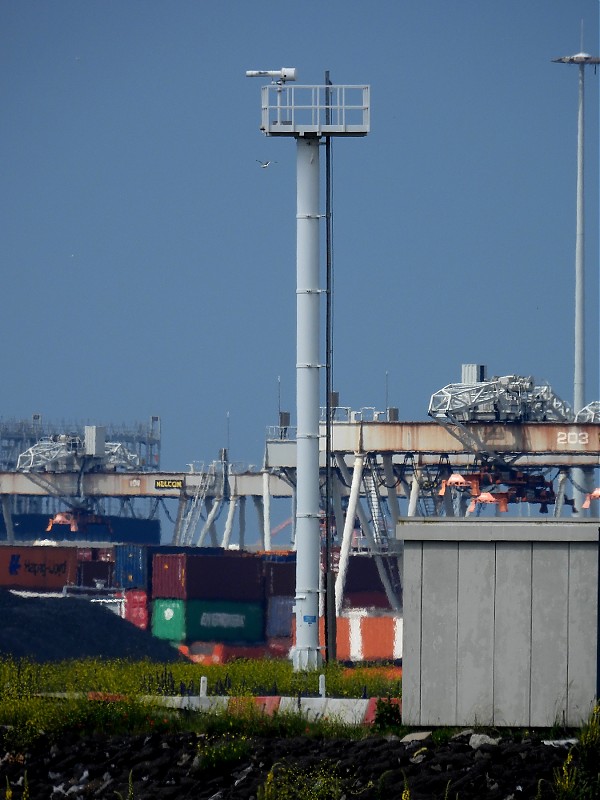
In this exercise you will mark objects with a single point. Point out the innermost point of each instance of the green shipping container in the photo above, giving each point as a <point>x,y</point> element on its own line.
<point>168,620</point>
<point>208,621</point>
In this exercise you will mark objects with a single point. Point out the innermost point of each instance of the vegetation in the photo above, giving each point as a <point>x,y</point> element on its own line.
<point>237,678</point>
<point>322,781</point>
<point>91,697</point>
<point>112,697</point>
<point>579,776</point>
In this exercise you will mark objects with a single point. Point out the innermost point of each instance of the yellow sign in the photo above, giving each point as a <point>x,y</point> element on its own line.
<point>168,483</point>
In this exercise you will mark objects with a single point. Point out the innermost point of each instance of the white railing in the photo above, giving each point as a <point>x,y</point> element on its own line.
<point>322,110</point>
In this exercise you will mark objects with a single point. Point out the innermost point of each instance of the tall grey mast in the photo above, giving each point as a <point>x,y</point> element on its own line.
<point>581,59</point>
<point>309,113</point>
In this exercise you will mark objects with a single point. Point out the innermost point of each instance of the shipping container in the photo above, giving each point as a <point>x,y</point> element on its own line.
<point>133,563</point>
<point>95,573</point>
<point>237,577</point>
<point>37,568</point>
<point>363,588</point>
<point>136,608</point>
<point>378,600</point>
<point>208,621</point>
<point>280,611</point>
<point>132,566</point>
<point>279,577</point>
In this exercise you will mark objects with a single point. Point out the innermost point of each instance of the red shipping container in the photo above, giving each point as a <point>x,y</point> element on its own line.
<point>136,608</point>
<point>37,568</point>
<point>182,576</point>
<point>280,578</point>
<point>136,597</point>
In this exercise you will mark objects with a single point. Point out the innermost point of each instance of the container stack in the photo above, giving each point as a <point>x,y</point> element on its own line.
<point>199,598</point>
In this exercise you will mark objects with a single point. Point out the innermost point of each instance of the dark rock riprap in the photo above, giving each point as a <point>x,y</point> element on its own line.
<point>165,767</point>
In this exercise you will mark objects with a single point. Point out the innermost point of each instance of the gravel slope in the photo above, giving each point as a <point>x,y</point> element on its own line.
<point>61,628</point>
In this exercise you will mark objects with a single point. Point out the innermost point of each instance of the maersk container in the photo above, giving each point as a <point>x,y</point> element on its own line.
<point>188,576</point>
<point>37,568</point>
<point>208,621</point>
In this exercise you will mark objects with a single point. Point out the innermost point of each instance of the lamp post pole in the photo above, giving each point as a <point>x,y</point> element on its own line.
<point>581,59</point>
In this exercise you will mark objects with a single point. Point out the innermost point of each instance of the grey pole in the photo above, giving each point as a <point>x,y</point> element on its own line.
<point>309,120</point>
<point>307,653</point>
<point>580,478</point>
<point>579,372</point>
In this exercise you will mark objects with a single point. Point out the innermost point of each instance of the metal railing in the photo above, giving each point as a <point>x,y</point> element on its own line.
<point>321,110</point>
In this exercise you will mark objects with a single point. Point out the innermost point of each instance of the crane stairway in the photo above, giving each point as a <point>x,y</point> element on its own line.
<point>383,549</point>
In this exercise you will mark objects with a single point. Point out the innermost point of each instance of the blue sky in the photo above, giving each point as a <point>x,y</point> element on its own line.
<point>148,262</point>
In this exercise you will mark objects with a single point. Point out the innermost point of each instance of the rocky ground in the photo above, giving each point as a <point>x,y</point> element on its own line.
<point>172,766</point>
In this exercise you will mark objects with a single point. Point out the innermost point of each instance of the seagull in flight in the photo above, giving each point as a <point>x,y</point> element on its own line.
<point>265,164</point>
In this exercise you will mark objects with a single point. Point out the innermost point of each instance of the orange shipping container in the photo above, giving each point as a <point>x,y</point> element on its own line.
<point>37,568</point>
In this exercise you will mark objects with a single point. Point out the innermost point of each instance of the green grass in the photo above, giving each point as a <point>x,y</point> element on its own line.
<point>90,697</point>
<point>241,677</point>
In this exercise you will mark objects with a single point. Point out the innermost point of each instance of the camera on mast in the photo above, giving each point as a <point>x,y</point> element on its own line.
<point>278,75</point>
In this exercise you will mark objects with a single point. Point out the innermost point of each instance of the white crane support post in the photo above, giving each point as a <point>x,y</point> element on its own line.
<point>309,113</point>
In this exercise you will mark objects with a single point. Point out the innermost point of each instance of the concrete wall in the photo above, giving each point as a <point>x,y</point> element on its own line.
<point>500,622</point>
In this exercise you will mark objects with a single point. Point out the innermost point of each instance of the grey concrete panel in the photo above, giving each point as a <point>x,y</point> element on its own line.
<point>476,589</point>
<point>411,645</point>
<point>583,623</point>
<point>549,614</point>
<point>439,643</point>
<point>512,642</point>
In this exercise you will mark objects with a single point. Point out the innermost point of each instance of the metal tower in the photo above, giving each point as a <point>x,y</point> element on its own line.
<point>309,114</point>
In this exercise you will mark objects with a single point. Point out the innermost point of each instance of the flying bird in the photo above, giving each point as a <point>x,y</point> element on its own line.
<point>265,164</point>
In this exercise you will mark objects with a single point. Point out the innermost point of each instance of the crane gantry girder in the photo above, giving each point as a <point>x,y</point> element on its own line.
<point>527,444</point>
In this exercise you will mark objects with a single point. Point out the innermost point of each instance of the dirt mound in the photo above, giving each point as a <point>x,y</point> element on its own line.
<point>47,629</point>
